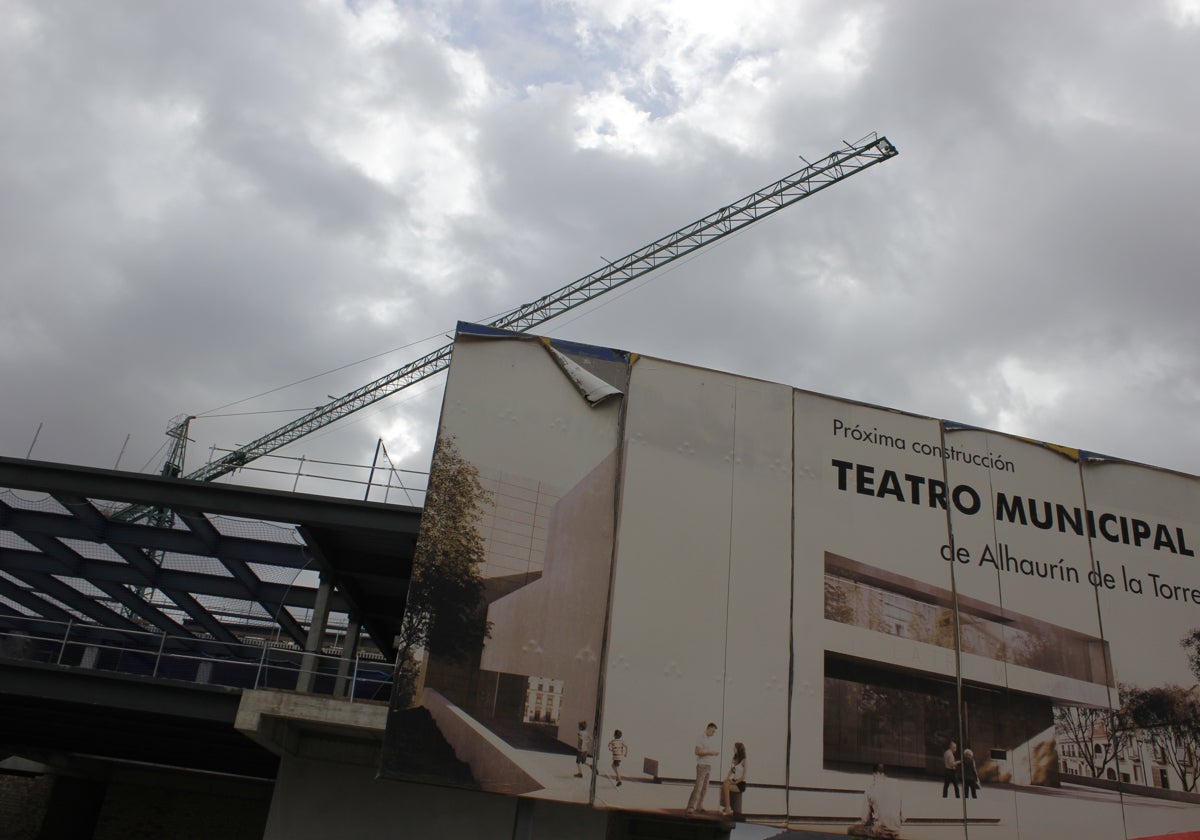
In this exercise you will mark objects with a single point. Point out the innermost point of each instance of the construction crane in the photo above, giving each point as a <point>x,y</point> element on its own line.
<point>731,218</point>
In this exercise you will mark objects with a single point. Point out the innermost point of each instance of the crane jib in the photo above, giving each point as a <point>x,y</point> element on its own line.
<point>733,217</point>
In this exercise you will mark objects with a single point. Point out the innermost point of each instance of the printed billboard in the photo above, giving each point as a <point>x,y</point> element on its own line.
<point>648,586</point>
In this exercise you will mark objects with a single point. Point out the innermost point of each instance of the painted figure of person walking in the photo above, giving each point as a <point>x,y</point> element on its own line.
<point>583,746</point>
<point>618,750</point>
<point>970,775</point>
<point>706,753</point>
<point>951,764</point>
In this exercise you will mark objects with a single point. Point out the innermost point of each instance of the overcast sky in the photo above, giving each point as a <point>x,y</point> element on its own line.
<point>201,203</point>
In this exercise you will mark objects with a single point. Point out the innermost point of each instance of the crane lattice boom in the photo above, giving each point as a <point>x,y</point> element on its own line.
<point>733,217</point>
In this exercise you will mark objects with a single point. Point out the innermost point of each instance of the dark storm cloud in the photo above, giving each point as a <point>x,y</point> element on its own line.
<point>201,203</point>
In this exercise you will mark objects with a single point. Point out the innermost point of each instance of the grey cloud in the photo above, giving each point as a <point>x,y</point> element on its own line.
<point>1040,211</point>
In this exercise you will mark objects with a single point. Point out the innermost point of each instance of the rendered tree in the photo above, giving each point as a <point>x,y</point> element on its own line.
<point>874,609</point>
<point>1170,717</point>
<point>837,600</point>
<point>1033,650</point>
<point>919,628</point>
<point>943,629</point>
<point>1191,644</point>
<point>446,615</point>
<point>1086,727</point>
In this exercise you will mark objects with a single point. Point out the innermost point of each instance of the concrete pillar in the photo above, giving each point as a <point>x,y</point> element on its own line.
<point>349,654</point>
<point>73,809</point>
<point>316,632</point>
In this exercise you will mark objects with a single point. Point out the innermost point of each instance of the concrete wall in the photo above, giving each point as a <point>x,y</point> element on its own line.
<point>200,808</point>
<point>321,799</point>
<point>22,805</point>
<point>133,804</point>
<point>483,752</point>
<point>554,627</point>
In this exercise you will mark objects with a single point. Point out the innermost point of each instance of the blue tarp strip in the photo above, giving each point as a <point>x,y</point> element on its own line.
<point>604,353</point>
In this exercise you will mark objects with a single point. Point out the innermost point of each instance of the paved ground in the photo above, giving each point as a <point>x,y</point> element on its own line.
<point>1104,815</point>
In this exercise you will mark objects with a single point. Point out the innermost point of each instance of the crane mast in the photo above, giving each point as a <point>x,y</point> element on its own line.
<point>731,218</point>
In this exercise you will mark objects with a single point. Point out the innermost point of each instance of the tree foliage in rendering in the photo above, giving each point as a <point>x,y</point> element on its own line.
<point>1088,728</point>
<point>446,614</point>
<point>837,601</point>
<point>1169,718</point>
<point>1191,644</point>
<point>1165,718</point>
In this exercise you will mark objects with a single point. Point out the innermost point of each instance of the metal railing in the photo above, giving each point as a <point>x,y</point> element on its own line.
<point>248,664</point>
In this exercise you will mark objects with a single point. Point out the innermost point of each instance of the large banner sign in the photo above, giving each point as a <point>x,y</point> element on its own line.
<point>648,586</point>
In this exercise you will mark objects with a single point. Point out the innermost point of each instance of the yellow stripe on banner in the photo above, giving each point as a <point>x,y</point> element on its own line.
<point>1068,451</point>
